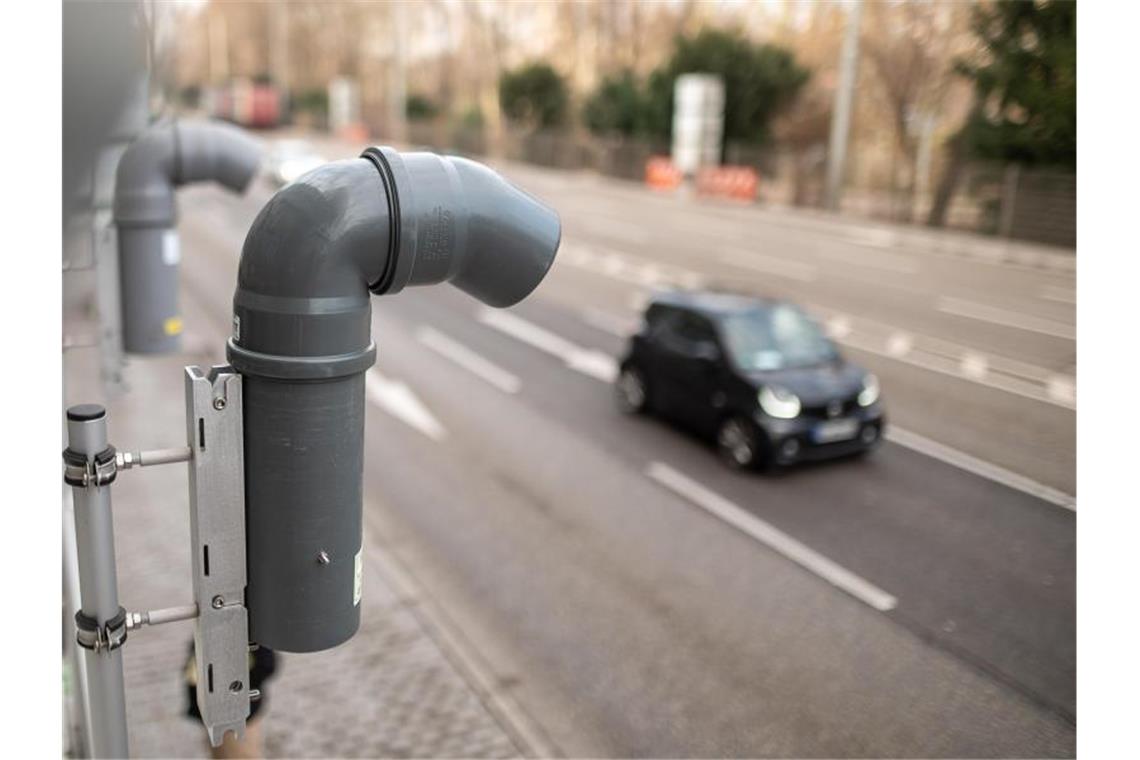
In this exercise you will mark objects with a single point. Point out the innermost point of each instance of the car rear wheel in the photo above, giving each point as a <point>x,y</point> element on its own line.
<point>737,443</point>
<point>632,391</point>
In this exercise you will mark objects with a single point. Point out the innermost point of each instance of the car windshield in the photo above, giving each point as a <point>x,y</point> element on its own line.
<point>779,337</point>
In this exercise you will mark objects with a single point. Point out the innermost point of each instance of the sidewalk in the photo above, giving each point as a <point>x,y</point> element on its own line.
<point>397,689</point>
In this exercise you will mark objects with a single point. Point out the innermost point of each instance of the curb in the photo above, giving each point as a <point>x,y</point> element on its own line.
<point>524,731</point>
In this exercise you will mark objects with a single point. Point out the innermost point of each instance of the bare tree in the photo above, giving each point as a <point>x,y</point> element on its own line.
<point>911,48</point>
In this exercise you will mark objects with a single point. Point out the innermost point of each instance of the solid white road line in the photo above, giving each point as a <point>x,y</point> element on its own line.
<point>885,262</point>
<point>774,539</point>
<point>596,364</point>
<point>1005,318</point>
<point>398,400</point>
<point>792,270</point>
<point>964,461</point>
<point>469,360</point>
<point>1059,294</point>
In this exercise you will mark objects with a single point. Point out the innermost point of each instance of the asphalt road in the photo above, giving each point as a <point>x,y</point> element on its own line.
<point>638,599</point>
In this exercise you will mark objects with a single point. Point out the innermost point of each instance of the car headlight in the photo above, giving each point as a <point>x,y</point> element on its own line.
<point>870,392</point>
<point>779,402</point>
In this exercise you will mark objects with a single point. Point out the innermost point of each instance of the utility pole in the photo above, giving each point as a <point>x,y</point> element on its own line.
<point>219,46</point>
<point>397,75</point>
<point>279,45</point>
<point>841,112</point>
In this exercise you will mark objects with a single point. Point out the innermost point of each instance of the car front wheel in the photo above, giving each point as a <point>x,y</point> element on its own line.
<point>632,391</point>
<point>737,443</point>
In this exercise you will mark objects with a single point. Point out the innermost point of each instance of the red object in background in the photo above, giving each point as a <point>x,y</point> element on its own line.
<point>660,174</point>
<point>738,182</point>
<point>354,133</point>
<point>249,104</point>
<point>264,106</point>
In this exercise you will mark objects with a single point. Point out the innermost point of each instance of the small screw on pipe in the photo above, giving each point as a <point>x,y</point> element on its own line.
<point>323,557</point>
<point>219,403</point>
<point>218,602</point>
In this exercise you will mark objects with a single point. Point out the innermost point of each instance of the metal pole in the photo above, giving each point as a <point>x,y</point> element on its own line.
<point>1008,198</point>
<point>98,583</point>
<point>398,76</point>
<point>131,121</point>
<point>841,113</point>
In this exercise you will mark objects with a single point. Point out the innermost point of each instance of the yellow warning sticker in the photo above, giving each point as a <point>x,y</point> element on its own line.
<point>172,326</point>
<point>358,576</point>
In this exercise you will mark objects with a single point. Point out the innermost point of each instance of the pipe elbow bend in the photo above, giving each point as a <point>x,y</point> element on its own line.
<point>171,154</point>
<point>378,223</point>
<point>305,268</point>
<point>302,343</point>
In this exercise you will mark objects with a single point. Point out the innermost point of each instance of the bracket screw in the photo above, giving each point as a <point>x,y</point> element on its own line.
<point>219,403</point>
<point>323,557</point>
<point>218,602</point>
<point>235,687</point>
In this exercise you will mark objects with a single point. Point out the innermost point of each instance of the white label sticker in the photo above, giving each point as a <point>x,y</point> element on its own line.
<point>171,250</point>
<point>358,576</point>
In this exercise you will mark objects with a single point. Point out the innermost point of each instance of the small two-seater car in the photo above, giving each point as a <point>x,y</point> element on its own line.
<point>756,375</point>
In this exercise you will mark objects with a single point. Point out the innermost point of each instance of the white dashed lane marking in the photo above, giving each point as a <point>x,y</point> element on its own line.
<point>1018,321</point>
<point>596,364</point>
<point>398,400</point>
<point>469,360</point>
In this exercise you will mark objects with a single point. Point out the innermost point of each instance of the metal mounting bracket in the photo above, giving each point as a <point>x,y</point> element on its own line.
<point>217,538</point>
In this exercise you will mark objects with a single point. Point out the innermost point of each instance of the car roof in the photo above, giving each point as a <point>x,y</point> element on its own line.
<point>712,303</point>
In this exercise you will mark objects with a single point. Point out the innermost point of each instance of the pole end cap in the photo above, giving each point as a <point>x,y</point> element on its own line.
<point>86,412</point>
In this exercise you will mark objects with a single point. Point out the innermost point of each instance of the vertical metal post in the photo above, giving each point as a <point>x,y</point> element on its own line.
<point>841,114</point>
<point>98,582</point>
<point>1008,198</point>
<point>105,251</point>
<point>398,75</point>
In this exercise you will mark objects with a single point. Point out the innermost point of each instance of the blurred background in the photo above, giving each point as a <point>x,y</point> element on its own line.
<point>548,576</point>
<point>959,121</point>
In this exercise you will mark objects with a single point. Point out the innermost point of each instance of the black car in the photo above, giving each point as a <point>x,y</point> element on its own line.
<point>758,375</point>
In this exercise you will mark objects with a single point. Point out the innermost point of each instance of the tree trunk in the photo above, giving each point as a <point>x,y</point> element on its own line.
<point>948,183</point>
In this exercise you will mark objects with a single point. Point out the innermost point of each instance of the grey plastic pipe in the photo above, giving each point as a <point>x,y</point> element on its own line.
<point>302,342</point>
<point>162,159</point>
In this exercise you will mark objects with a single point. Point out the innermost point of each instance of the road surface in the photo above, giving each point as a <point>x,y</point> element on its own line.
<point>638,599</point>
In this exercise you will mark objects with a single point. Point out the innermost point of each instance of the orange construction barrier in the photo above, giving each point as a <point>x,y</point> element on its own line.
<point>738,182</point>
<point>354,133</point>
<point>660,174</point>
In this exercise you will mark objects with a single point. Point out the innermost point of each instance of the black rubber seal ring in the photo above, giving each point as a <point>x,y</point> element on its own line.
<point>380,161</point>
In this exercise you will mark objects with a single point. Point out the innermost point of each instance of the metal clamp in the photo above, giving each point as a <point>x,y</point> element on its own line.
<point>107,637</point>
<point>80,471</point>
